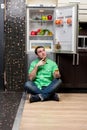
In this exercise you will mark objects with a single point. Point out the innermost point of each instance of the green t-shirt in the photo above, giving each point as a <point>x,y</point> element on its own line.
<point>45,72</point>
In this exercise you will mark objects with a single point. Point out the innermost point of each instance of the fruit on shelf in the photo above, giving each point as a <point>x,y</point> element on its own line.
<point>42,32</point>
<point>39,30</point>
<point>37,18</point>
<point>44,17</point>
<point>33,33</point>
<point>69,21</point>
<point>59,21</point>
<point>49,17</point>
<point>50,33</point>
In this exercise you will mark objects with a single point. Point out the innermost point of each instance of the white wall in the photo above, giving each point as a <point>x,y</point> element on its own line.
<point>42,2</point>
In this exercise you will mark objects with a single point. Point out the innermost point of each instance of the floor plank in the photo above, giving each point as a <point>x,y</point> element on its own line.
<point>70,113</point>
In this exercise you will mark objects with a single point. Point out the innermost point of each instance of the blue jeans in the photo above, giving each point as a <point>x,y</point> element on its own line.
<point>46,91</point>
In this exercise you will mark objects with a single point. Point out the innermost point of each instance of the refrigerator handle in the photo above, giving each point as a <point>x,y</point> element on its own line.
<point>77,63</point>
<point>73,59</point>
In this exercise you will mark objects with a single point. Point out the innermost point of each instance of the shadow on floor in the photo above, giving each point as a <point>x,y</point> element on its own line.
<point>9,103</point>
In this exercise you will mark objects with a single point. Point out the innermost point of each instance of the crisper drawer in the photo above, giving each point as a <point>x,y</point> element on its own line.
<point>48,44</point>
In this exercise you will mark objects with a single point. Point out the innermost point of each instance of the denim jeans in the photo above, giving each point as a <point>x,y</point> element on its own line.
<point>46,91</point>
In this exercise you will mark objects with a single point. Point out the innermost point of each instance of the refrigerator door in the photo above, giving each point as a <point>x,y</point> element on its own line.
<point>66,28</point>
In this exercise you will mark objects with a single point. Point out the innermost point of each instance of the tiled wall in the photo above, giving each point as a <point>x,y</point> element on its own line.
<point>14,55</point>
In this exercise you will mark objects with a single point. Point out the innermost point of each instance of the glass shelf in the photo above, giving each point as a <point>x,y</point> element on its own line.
<point>31,20</point>
<point>39,37</point>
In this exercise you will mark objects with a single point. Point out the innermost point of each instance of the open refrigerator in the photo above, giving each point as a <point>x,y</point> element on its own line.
<point>56,28</point>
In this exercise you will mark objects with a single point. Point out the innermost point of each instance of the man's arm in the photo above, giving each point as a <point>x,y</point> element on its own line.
<point>56,74</point>
<point>32,75</point>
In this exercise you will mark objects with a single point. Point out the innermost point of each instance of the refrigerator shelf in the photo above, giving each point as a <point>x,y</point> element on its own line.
<point>40,21</point>
<point>39,37</point>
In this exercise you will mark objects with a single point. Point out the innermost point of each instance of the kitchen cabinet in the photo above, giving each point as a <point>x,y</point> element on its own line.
<point>73,70</point>
<point>82,42</point>
<point>67,69</point>
<point>81,71</point>
<point>82,38</point>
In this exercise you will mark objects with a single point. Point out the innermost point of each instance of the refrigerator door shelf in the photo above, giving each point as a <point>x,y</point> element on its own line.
<point>66,27</point>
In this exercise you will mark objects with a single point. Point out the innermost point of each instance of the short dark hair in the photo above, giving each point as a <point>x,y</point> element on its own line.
<point>37,48</point>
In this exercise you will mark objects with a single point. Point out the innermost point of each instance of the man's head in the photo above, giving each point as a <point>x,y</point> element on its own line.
<point>40,52</point>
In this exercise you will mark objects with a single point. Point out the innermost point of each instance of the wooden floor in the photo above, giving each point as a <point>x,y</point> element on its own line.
<point>70,113</point>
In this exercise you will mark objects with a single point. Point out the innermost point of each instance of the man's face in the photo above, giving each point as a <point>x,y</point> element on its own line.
<point>41,53</point>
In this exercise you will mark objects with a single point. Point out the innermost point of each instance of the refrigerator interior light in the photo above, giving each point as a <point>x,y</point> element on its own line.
<point>41,10</point>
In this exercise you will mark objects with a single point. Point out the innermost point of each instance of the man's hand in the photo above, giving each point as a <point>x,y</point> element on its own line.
<point>41,62</point>
<point>32,75</point>
<point>57,74</point>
